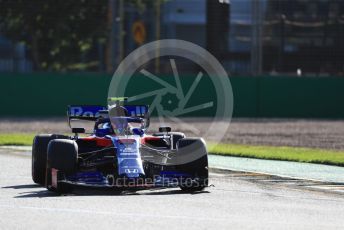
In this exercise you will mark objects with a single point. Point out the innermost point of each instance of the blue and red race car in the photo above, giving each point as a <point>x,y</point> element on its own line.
<point>118,154</point>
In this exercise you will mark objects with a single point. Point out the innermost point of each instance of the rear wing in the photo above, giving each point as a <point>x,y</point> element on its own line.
<point>137,110</point>
<point>84,112</point>
<point>93,112</point>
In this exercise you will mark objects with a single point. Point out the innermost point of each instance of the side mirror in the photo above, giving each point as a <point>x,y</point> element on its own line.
<point>78,130</point>
<point>165,129</point>
<point>138,131</point>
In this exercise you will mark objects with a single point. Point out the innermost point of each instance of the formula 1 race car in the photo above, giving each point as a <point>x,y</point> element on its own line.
<point>118,154</point>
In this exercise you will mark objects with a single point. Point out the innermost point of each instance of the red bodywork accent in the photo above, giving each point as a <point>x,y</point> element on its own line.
<point>100,141</point>
<point>149,138</point>
<point>126,141</point>
<point>104,142</point>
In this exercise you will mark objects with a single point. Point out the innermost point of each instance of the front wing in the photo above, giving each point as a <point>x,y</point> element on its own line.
<point>166,179</point>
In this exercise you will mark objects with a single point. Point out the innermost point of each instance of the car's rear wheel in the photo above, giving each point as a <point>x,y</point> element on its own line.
<point>39,155</point>
<point>196,166</point>
<point>62,156</point>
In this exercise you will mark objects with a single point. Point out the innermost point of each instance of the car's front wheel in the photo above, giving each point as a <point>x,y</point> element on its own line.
<point>39,156</point>
<point>63,157</point>
<point>194,163</point>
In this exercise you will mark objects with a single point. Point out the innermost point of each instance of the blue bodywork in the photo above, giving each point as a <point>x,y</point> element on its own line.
<point>128,157</point>
<point>84,111</point>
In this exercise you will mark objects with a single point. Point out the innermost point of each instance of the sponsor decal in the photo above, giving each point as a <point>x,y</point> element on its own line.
<point>85,111</point>
<point>128,156</point>
<point>131,170</point>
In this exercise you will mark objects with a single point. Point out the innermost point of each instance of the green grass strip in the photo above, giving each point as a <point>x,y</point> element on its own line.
<point>309,155</point>
<point>19,139</point>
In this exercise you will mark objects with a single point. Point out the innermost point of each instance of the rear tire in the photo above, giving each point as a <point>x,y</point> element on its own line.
<point>176,136</point>
<point>63,156</point>
<point>39,156</point>
<point>197,168</point>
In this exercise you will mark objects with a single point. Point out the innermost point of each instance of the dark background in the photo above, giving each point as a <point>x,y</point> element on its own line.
<point>284,58</point>
<point>249,37</point>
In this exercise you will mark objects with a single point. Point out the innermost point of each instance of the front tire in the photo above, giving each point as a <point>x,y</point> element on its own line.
<point>39,156</point>
<point>197,168</point>
<point>62,156</point>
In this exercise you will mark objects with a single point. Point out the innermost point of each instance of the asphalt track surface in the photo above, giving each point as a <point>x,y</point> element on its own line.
<point>233,203</point>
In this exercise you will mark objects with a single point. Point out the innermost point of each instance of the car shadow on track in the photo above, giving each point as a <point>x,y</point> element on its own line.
<point>38,194</point>
<point>170,192</point>
<point>23,186</point>
<point>30,194</point>
<point>43,193</point>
